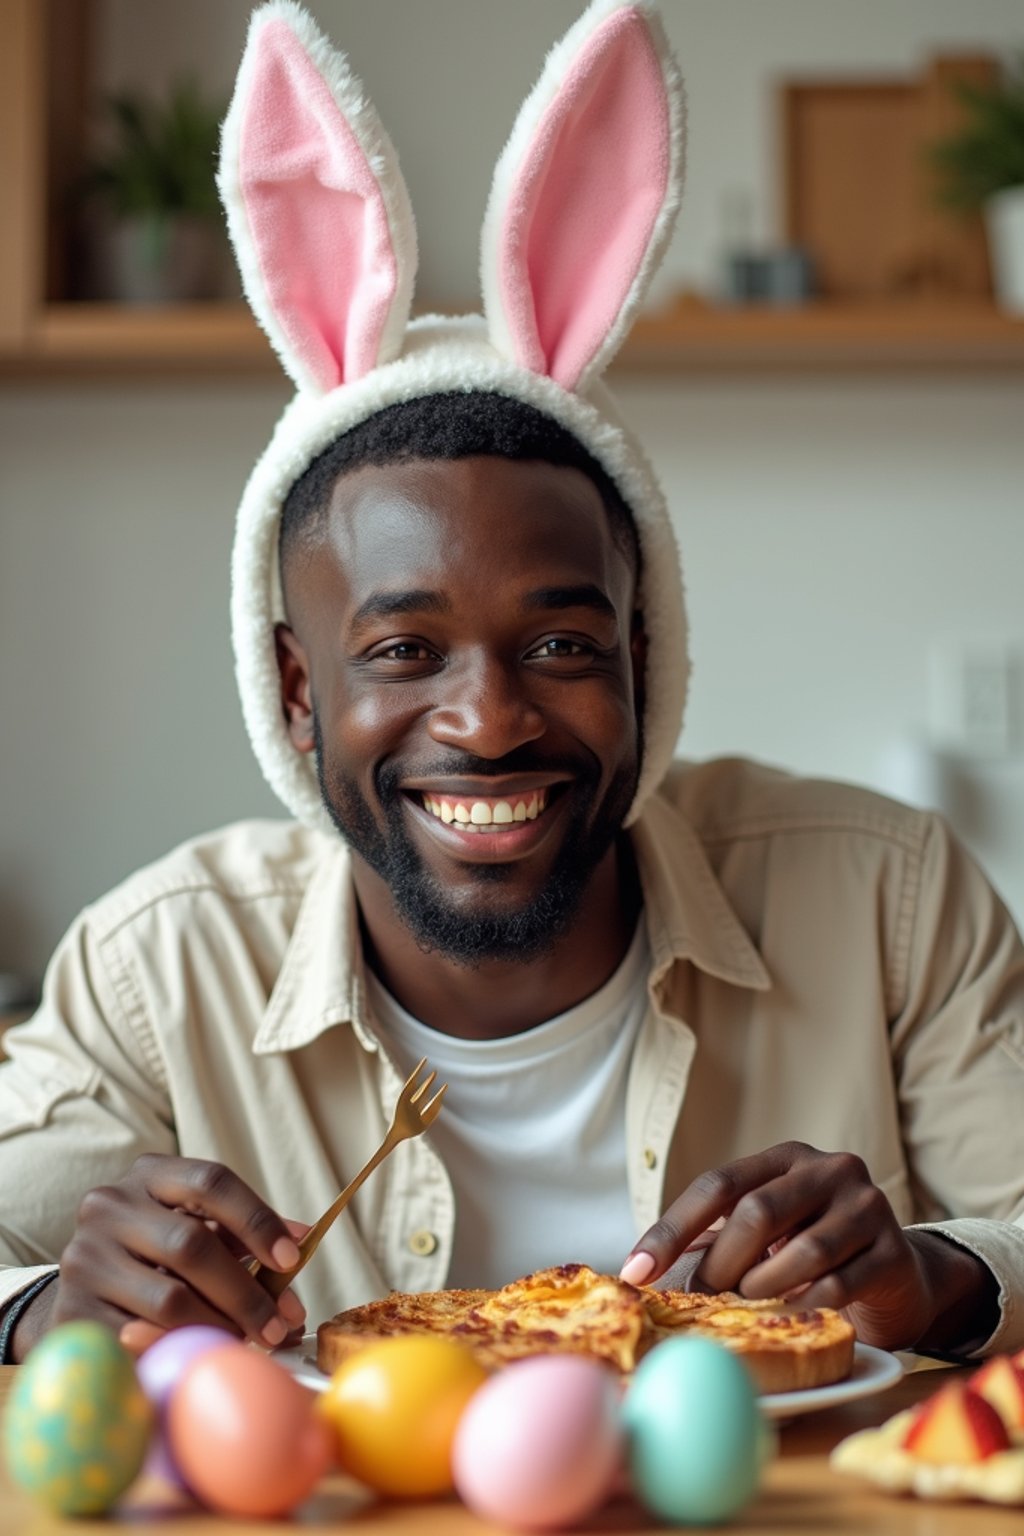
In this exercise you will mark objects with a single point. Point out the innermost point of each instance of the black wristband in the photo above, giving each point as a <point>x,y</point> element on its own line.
<point>15,1310</point>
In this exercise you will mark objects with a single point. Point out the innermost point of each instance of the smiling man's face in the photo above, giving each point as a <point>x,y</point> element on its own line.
<point>464,659</point>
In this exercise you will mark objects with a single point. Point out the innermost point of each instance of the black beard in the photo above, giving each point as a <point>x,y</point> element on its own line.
<point>421,901</point>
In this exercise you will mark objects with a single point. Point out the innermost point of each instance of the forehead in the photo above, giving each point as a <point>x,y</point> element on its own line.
<point>449,521</point>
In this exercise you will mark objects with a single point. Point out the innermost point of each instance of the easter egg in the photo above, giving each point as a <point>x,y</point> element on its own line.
<point>77,1422</point>
<point>540,1445</point>
<point>394,1408</point>
<point>696,1440</point>
<point>244,1434</point>
<point>159,1370</point>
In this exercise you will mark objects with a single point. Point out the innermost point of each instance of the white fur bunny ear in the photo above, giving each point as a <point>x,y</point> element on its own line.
<point>585,195</point>
<point>317,208</point>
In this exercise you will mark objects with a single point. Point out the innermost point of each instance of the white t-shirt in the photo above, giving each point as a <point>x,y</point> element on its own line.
<point>533,1131</point>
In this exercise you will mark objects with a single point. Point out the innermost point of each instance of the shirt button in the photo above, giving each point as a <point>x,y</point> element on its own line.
<point>650,1158</point>
<point>423,1242</point>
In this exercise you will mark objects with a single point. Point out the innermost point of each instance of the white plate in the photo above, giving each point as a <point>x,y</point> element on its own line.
<point>300,1361</point>
<point>873,1371</point>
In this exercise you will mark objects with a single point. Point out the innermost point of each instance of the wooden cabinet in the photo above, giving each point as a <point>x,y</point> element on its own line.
<point>42,332</point>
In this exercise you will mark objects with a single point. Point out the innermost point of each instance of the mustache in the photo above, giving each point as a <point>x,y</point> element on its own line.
<point>583,766</point>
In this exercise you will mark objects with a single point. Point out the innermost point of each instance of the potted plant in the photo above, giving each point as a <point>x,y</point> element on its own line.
<point>163,232</point>
<point>982,167</point>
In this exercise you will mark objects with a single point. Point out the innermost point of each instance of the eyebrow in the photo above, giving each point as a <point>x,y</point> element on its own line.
<point>388,605</point>
<point>586,595</point>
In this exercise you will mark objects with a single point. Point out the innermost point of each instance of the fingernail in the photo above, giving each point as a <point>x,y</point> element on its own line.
<point>290,1307</point>
<point>284,1253</point>
<point>274,1332</point>
<point>637,1267</point>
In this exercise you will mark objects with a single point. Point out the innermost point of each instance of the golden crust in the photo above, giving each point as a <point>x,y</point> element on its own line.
<point>784,1348</point>
<point>570,1309</point>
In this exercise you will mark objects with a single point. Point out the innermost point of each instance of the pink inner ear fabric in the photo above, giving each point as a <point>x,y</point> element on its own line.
<point>585,201</point>
<point>316,215</point>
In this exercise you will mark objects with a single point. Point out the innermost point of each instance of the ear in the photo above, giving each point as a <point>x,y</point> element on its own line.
<point>585,196</point>
<point>296,692</point>
<point>317,208</point>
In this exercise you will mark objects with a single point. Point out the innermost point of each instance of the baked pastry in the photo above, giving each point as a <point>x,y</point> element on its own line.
<point>785,1349</point>
<point>570,1309</point>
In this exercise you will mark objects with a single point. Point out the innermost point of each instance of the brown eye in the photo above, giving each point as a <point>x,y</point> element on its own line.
<point>560,648</point>
<point>407,650</point>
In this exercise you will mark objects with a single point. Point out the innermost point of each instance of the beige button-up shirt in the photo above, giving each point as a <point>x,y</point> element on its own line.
<point>826,966</point>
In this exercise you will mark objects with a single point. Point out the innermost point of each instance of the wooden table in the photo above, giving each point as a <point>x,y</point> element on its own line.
<point>799,1496</point>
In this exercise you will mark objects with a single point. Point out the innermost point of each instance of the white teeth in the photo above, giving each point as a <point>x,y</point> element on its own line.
<point>481,815</point>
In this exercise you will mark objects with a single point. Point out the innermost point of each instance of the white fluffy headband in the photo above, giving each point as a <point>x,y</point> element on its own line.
<point>582,206</point>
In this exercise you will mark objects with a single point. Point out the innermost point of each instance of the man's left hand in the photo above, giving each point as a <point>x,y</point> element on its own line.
<point>793,1221</point>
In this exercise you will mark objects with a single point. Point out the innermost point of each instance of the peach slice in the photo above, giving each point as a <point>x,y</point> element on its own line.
<point>1001,1383</point>
<point>957,1425</point>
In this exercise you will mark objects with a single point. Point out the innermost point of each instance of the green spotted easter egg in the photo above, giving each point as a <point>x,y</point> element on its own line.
<point>77,1424</point>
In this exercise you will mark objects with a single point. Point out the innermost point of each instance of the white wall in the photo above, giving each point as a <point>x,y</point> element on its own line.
<point>834,528</point>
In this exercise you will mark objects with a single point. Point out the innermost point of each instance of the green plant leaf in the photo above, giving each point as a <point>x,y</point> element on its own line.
<point>987,154</point>
<point>160,157</point>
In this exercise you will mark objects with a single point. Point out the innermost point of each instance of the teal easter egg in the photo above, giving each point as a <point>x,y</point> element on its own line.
<point>77,1423</point>
<point>695,1434</point>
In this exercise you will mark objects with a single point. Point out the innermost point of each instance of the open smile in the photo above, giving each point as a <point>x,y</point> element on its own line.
<point>490,827</point>
<point>486,813</point>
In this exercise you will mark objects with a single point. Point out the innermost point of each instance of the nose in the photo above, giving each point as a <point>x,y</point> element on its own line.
<point>485,709</point>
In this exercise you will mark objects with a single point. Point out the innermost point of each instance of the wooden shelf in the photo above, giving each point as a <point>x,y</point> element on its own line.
<point>223,339</point>
<point>197,338</point>
<point>912,335</point>
<point>43,87</point>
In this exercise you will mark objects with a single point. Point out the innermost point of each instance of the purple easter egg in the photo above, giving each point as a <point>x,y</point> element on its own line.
<point>159,1369</point>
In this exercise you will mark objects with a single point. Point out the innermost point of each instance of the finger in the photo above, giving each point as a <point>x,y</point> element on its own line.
<point>167,1267</point>
<point>136,1336</point>
<point>705,1239</point>
<point>710,1196</point>
<point>762,1217</point>
<point>212,1192</point>
<point>819,1249</point>
<point>296,1229</point>
<point>875,1285</point>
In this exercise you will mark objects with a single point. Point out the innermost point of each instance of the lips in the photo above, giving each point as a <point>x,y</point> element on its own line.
<point>486,813</point>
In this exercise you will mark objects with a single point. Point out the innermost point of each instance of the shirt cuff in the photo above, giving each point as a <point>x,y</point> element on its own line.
<point>13,1281</point>
<point>1000,1246</point>
<point>13,1310</point>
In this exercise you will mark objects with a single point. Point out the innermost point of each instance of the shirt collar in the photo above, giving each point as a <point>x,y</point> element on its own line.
<point>321,980</point>
<point>689,918</point>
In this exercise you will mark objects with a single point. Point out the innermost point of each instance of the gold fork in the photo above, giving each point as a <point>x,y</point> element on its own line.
<point>411,1118</point>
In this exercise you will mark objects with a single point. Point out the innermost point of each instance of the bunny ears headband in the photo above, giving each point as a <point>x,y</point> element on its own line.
<point>582,206</point>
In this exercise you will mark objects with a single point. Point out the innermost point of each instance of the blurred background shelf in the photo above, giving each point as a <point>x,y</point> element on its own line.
<point>907,292</point>
<point>212,338</point>
<point>830,335</point>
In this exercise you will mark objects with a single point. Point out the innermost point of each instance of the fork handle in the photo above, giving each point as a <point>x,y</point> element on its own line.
<point>274,1281</point>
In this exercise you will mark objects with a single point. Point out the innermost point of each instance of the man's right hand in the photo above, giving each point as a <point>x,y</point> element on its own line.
<point>163,1248</point>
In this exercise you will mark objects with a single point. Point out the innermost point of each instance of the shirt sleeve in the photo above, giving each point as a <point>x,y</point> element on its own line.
<point>81,1096</point>
<point>959,1053</point>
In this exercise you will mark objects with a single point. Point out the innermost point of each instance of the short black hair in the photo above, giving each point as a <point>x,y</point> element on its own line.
<point>452,425</point>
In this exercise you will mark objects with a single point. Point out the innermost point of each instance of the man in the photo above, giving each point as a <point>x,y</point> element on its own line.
<point>661,996</point>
